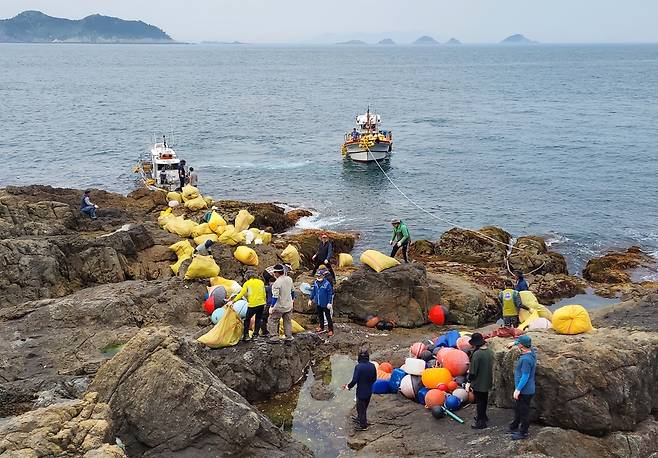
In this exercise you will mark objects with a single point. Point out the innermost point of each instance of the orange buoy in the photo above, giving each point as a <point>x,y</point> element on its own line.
<point>456,362</point>
<point>434,398</point>
<point>452,386</point>
<point>386,367</point>
<point>416,349</point>
<point>435,376</point>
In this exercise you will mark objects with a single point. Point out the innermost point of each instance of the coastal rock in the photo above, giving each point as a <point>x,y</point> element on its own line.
<point>638,314</point>
<point>298,213</point>
<point>307,242</point>
<point>146,382</point>
<point>401,294</point>
<point>615,267</point>
<point>552,287</point>
<point>530,254</point>
<point>301,300</point>
<point>266,215</point>
<point>467,303</point>
<point>421,248</point>
<point>604,380</point>
<point>470,247</point>
<point>72,428</point>
<point>233,269</point>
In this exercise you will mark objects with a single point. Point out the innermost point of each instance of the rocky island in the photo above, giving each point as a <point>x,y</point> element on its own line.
<point>98,340</point>
<point>517,39</point>
<point>36,27</point>
<point>426,40</point>
<point>386,41</point>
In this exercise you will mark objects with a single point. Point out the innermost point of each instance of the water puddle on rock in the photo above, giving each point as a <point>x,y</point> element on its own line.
<point>316,412</point>
<point>112,350</point>
<point>589,300</point>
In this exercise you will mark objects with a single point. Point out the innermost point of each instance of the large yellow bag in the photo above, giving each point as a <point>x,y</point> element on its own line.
<point>165,217</point>
<point>173,195</point>
<point>201,229</point>
<point>232,287</point>
<point>264,238</point>
<point>529,300</point>
<point>296,327</point>
<point>215,222</point>
<point>571,319</point>
<point>180,226</point>
<point>202,238</point>
<point>345,259</point>
<point>196,204</point>
<point>243,220</point>
<point>226,333</point>
<point>378,261</point>
<point>189,193</point>
<point>202,267</point>
<point>183,250</point>
<point>291,256</point>
<point>230,236</point>
<point>246,256</point>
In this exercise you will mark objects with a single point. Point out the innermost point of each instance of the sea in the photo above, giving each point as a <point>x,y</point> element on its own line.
<point>559,141</point>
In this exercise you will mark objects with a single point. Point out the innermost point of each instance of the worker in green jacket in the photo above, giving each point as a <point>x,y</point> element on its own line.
<point>510,302</point>
<point>400,239</point>
<point>480,378</point>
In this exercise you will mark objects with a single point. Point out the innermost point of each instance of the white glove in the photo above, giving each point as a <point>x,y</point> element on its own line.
<point>95,206</point>
<point>326,261</point>
<point>467,387</point>
<point>516,394</point>
<point>399,243</point>
<point>391,242</point>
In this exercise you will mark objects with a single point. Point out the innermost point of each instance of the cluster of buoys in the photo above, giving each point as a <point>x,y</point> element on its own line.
<point>433,375</point>
<point>373,321</point>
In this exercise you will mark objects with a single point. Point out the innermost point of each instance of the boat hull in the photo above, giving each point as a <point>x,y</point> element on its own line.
<point>378,152</point>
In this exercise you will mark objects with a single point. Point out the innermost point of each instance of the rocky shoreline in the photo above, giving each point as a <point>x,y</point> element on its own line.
<point>72,288</point>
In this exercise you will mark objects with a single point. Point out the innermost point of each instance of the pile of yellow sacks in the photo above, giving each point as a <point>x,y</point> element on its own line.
<point>193,199</point>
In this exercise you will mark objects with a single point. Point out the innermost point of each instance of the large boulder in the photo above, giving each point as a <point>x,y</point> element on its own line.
<point>307,242</point>
<point>595,383</point>
<point>474,247</point>
<point>233,269</point>
<point>640,314</point>
<point>401,294</point>
<point>553,287</point>
<point>530,254</point>
<point>616,267</point>
<point>166,402</point>
<point>81,427</point>
<point>266,215</point>
<point>467,302</point>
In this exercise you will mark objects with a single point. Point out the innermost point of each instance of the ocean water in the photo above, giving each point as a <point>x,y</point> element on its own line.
<point>558,141</point>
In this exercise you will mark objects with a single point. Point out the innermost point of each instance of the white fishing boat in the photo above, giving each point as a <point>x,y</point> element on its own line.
<point>367,142</point>
<point>160,169</point>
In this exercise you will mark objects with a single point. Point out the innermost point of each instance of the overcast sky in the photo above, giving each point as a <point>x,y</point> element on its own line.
<point>290,21</point>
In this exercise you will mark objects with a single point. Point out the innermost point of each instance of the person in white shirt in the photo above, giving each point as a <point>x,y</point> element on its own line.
<point>282,308</point>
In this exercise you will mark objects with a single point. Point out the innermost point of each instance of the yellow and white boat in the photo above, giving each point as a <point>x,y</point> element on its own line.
<point>367,142</point>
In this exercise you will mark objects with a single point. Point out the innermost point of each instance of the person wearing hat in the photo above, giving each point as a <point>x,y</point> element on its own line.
<point>524,387</point>
<point>400,239</point>
<point>282,305</point>
<point>87,206</point>
<point>480,377</point>
<point>322,295</point>
<point>254,289</point>
<point>365,375</point>
<point>323,255</point>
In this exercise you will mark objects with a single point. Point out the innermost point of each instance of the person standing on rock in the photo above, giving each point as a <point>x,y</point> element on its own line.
<point>480,377</point>
<point>282,308</point>
<point>182,174</point>
<point>87,206</point>
<point>400,239</point>
<point>521,283</point>
<point>365,375</point>
<point>322,295</point>
<point>524,387</point>
<point>510,301</point>
<point>323,255</point>
<point>254,289</point>
<point>193,178</point>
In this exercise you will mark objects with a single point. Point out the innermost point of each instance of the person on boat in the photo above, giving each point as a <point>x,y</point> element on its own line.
<point>510,302</point>
<point>192,178</point>
<point>205,248</point>
<point>322,296</point>
<point>323,255</point>
<point>87,206</point>
<point>164,141</point>
<point>254,290</point>
<point>365,375</point>
<point>182,173</point>
<point>400,239</point>
<point>521,283</point>
<point>282,306</point>
<point>480,377</point>
<point>355,135</point>
<point>163,176</point>
<point>524,387</point>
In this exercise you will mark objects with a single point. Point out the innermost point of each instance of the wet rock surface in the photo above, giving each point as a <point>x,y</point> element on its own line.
<point>467,303</point>
<point>638,314</point>
<point>530,254</point>
<point>616,267</point>
<point>470,247</point>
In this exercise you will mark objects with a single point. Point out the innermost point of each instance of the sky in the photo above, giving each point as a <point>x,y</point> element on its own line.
<point>315,21</point>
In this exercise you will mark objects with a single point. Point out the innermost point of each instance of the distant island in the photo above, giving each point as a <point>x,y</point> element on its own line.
<point>37,27</point>
<point>352,42</point>
<point>426,40</point>
<point>517,39</point>
<point>453,41</point>
<point>386,41</point>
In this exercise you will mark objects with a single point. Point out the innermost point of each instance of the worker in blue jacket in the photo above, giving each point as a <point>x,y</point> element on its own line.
<point>524,387</point>
<point>521,283</point>
<point>365,375</point>
<point>322,296</point>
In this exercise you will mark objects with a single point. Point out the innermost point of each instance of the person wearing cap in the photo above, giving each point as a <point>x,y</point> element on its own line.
<point>322,295</point>
<point>400,239</point>
<point>282,305</point>
<point>254,290</point>
<point>204,249</point>
<point>365,375</point>
<point>87,206</point>
<point>480,377</point>
<point>510,301</point>
<point>323,255</point>
<point>524,387</point>
<point>521,283</point>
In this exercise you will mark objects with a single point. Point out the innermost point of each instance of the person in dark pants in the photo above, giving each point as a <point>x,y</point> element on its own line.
<point>322,295</point>
<point>254,290</point>
<point>182,174</point>
<point>480,377</point>
<point>364,377</point>
<point>87,206</point>
<point>524,384</point>
<point>400,239</point>
<point>323,255</point>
